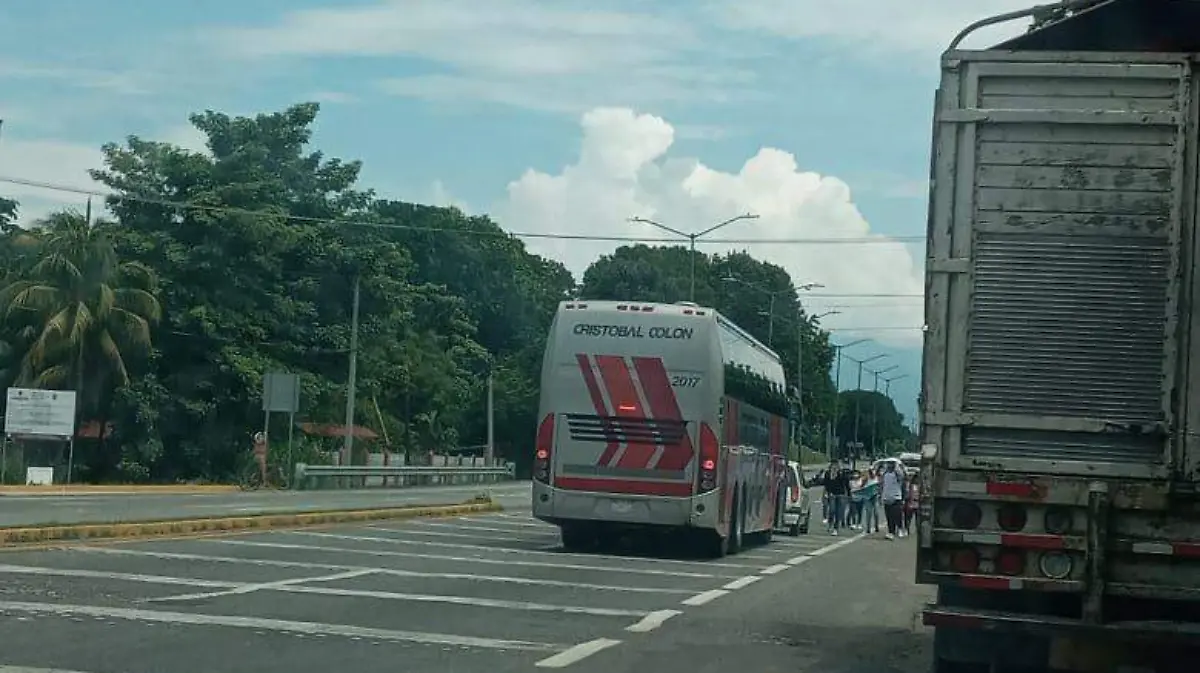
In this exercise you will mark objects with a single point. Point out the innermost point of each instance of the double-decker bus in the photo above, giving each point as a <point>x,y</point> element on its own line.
<point>659,416</point>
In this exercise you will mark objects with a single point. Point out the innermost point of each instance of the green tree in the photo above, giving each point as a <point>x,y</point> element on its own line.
<point>872,418</point>
<point>91,311</point>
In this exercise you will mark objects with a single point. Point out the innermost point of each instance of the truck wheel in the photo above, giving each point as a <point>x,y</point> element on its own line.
<point>804,524</point>
<point>794,529</point>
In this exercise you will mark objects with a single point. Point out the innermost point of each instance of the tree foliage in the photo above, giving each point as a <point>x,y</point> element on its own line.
<point>165,317</point>
<point>871,417</point>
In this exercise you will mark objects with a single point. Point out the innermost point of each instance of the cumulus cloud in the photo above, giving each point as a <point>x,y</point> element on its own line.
<point>623,169</point>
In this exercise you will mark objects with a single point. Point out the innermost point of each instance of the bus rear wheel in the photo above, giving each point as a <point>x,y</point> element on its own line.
<point>576,537</point>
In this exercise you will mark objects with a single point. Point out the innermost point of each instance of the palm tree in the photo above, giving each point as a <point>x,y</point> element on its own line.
<point>85,311</point>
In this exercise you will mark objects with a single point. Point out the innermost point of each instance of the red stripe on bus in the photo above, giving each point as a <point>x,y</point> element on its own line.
<point>589,377</point>
<point>618,381</point>
<point>678,489</point>
<point>664,405</point>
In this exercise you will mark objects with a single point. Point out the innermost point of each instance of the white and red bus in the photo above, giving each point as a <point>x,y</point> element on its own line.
<point>664,416</point>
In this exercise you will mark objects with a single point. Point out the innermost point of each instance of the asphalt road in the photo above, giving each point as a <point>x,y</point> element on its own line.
<point>490,593</point>
<point>30,510</point>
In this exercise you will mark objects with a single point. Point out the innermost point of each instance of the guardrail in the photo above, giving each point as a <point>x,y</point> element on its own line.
<point>349,476</point>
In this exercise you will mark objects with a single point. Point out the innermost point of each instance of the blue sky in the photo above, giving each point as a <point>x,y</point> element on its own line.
<point>552,116</point>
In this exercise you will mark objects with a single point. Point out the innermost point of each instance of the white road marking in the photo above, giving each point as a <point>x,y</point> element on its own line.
<point>395,572</point>
<point>836,545</point>
<point>797,560</point>
<point>128,577</point>
<point>278,625</point>
<point>463,559</point>
<point>577,653</point>
<point>522,532</point>
<point>652,621</point>
<point>508,550</point>
<point>772,570</point>
<point>26,669</point>
<point>460,600</point>
<point>264,586</point>
<point>508,521</point>
<point>465,536</point>
<point>742,582</point>
<point>706,597</point>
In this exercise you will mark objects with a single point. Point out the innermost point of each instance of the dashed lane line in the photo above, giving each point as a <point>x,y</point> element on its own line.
<point>704,597</point>
<point>652,621</point>
<point>577,653</point>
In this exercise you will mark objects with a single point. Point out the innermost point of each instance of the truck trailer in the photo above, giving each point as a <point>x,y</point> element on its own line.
<point>1060,430</point>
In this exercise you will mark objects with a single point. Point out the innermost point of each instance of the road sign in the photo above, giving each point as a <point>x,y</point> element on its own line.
<point>40,413</point>
<point>281,392</point>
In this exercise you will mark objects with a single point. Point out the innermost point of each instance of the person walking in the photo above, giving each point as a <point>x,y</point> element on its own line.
<point>871,503</point>
<point>837,487</point>
<point>857,482</point>
<point>892,493</point>
<point>912,499</point>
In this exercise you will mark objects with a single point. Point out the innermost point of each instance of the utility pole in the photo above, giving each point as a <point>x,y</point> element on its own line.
<point>837,391</point>
<point>352,377</point>
<point>858,394</point>
<point>692,239</point>
<point>875,411</point>
<point>491,417</point>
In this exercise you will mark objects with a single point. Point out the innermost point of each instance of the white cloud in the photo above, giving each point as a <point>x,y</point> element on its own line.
<point>623,170</point>
<point>565,56</point>
<point>66,164</point>
<point>47,161</point>
<point>873,27</point>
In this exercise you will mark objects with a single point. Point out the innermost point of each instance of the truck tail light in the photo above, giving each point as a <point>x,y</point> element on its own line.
<point>965,561</point>
<point>544,449</point>
<point>1055,565</point>
<point>709,449</point>
<point>1058,521</point>
<point>1011,517</point>
<point>966,515</point>
<point>1010,562</point>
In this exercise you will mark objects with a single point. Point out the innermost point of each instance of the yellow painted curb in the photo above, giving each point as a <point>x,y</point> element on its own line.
<point>164,489</point>
<point>180,527</point>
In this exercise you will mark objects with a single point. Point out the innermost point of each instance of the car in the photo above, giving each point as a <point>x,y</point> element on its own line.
<point>797,508</point>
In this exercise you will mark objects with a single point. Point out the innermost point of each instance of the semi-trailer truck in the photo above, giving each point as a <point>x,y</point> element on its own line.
<point>1060,403</point>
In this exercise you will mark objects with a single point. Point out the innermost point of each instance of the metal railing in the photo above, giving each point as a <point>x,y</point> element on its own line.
<point>351,476</point>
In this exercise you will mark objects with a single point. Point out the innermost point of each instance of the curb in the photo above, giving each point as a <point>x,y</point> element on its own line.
<point>183,527</point>
<point>164,489</point>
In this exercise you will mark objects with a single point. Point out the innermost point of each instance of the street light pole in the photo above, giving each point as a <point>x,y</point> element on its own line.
<point>875,411</point>
<point>858,393</point>
<point>693,237</point>
<point>837,390</point>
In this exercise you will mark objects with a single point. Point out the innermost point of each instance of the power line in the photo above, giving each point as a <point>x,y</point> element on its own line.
<point>881,296</point>
<point>229,210</point>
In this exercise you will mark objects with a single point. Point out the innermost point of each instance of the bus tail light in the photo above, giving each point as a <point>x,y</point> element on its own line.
<point>544,450</point>
<point>708,459</point>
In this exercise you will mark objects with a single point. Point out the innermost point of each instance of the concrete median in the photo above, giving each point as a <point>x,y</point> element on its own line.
<point>38,535</point>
